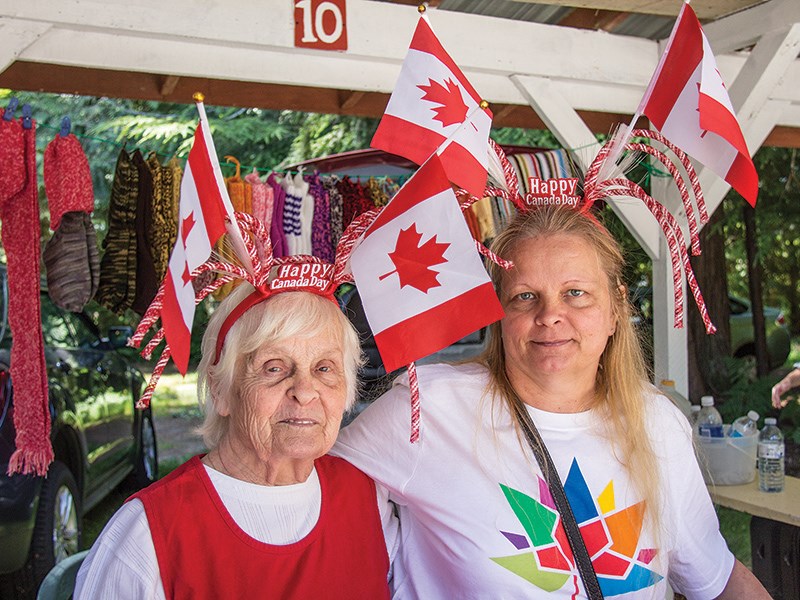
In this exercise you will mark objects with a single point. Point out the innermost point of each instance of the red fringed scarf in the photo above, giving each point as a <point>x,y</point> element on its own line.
<point>19,211</point>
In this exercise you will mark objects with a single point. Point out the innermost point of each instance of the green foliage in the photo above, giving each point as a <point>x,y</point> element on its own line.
<point>535,138</point>
<point>735,528</point>
<point>321,134</point>
<point>743,394</point>
<point>778,223</point>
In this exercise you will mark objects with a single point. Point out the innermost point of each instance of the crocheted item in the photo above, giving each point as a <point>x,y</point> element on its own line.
<point>263,199</point>
<point>117,288</point>
<point>354,200</point>
<point>72,262</point>
<point>296,190</point>
<point>147,280</point>
<point>276,234</point>
<point>67,178</point>
<point>595,188</point>
<point>164,212</point>
<point>376,193</point>
<point>12,175</point>
<point>331,185</point>
<point>321,243</point>
<point>19,211</point>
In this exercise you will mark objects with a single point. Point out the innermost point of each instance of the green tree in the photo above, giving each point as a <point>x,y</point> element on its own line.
<point>777,217</point>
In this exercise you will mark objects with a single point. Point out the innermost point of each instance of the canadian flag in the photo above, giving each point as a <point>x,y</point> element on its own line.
<point>204,204</point>
<point>420,278</point>
<point>433,103</point>
<point>688,103</point>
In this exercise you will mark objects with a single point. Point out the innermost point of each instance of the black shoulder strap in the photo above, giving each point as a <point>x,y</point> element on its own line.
<point>582,559</point>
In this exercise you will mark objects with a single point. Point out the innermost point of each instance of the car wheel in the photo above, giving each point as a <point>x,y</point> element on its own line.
<point>146,468</point>
<point>56,534</point>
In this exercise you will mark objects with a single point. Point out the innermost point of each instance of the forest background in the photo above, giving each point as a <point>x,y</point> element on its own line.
<point>768,272</point>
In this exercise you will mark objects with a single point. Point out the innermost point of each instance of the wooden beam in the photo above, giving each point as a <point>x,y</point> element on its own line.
<point>168,85</point>
<point>15,36</point>
<point>766,65</point>
<point>595,19</point>
<point>503,112</point>
<point>107,34</point>
<point>351,99</point>
<point>745,28</point>
<point>39,77</point>
<point>600,73</point>
<point>705,9</point>
<point>783,137</point>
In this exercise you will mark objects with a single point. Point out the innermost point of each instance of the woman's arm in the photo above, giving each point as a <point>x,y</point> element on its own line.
<point>122,563</point>
<point>743,585</point>
<point>784,385</point>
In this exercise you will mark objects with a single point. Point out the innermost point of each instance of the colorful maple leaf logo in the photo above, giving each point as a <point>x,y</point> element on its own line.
<point>611,536</point>
<point>451,109</point>
<point>412,261</point>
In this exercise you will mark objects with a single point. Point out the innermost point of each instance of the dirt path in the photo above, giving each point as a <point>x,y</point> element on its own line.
<point>176,432</point>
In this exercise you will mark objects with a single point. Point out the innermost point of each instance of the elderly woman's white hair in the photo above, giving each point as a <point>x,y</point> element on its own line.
<point>282,316</point>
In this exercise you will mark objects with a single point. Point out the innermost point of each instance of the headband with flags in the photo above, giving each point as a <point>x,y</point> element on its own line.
<point>268,275</point>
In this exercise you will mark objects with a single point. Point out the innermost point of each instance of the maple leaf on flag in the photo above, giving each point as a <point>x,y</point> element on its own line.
<point>452,109</point>
<point>412,261</point>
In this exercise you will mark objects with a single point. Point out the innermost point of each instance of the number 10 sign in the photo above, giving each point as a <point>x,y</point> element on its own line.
<point>320,24</point>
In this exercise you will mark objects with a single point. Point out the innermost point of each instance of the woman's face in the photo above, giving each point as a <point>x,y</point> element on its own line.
<point>290,399</point>
<point>558,310</point>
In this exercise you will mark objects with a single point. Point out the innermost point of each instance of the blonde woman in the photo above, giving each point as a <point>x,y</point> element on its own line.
<point>477,518</point>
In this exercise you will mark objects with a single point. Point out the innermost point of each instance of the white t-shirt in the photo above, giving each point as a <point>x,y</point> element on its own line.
<point>476,519</point>
<point>122,562</point>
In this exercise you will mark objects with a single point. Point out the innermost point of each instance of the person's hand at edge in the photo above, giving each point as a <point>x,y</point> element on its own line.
<point>792,380</point>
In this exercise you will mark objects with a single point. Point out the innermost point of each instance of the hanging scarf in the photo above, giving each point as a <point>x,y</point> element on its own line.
<point>19,211</point>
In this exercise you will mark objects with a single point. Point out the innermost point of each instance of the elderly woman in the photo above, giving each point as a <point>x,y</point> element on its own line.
<point>477,518</point>
<point>266,513</point>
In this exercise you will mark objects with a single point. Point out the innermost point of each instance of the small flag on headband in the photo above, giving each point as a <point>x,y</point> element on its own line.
<point>204,203</point>
<point>433,103</point>
<point>688,103</point>
<point>420,278</point>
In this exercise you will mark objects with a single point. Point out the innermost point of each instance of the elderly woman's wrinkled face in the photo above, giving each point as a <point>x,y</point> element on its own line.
<point>290,398</point>
<point>558,308</point>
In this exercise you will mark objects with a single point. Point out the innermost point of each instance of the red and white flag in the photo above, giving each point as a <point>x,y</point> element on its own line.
<point>204,203</point>
<point>422,283</point>
<point>433,103</point>
<point>688,103</point>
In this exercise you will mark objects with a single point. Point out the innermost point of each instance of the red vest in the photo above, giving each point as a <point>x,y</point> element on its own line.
<point>202,553</point>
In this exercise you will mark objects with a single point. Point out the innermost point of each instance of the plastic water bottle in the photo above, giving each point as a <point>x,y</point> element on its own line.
<point>746,425</point>
<point>667,388</point>
<point>770,457</point>
<point>709,421</point>
<point>694,414</point>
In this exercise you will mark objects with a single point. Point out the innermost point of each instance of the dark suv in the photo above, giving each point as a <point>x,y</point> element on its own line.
<point>99,440</point>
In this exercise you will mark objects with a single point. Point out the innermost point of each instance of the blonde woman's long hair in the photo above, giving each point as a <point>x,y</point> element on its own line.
<point>621,384</point>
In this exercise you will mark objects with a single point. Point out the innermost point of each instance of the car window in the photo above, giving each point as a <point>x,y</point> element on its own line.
<point>84,336</point>
<point>56,329</point>
<point>737,308</point>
